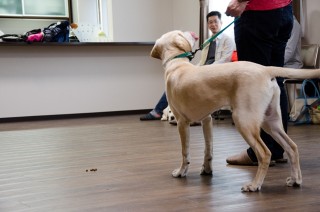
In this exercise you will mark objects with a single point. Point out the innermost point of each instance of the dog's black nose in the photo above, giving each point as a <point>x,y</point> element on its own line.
<point>171,118</point>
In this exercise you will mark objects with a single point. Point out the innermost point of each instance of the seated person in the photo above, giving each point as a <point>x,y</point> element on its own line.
<point>219,51</point>
<point>292,58</point>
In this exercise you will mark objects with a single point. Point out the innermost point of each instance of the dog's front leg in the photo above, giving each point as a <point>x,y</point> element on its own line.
<point>184,133</point>
<point>207,132</point>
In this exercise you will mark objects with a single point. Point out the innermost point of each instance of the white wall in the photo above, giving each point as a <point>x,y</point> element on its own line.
<point>141,20</point>
<point>19,26</point>
<point>186,15</point>
<point>84,11</point>
<point>312,18</point>
<point>50,80</point>
<point>147,20</point>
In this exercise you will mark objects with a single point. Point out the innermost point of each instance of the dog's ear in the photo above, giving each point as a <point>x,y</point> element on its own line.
<point>182,43</point>
<point>156,52</point>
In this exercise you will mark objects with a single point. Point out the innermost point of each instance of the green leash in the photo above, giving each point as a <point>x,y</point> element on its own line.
<point>191,54</point>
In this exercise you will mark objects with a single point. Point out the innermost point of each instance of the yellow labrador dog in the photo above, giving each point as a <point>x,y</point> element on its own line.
<point>195,92</point>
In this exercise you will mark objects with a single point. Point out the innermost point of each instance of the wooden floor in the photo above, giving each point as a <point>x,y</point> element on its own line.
<point>119,163</point>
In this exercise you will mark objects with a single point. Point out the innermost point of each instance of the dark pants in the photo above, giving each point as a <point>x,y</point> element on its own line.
<point>162,104</point>
<point>261,37</point>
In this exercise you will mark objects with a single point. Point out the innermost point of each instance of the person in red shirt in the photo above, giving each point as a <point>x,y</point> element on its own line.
<point>261,35</point>
<point>236,8</point>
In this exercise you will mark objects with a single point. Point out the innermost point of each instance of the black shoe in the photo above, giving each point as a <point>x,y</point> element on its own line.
<point>196,123</point>
<point>280,160</point>
<point>192,124</point>
<point>149,117</point>
<point>173,122</point>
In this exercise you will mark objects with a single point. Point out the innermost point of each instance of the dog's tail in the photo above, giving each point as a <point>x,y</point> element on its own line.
<point>292,73</point>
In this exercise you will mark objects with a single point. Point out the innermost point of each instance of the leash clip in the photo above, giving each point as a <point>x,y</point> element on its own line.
<point>193,53</point>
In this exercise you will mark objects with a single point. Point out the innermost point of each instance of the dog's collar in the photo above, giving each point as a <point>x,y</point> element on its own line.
<point>189,55</point>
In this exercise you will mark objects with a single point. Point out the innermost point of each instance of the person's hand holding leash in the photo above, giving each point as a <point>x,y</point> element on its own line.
<point>236,7</point>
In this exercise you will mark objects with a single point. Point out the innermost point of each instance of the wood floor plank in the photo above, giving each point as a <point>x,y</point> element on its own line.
<point>50,166</point>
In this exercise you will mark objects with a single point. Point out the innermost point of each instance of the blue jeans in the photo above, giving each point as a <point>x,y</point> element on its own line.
<point>261,37</point>
<point>162,104</point>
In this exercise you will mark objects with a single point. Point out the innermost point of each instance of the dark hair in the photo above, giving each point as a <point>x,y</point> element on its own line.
<point>214,13</point>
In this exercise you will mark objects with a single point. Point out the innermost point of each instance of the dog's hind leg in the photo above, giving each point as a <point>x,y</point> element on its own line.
<point>273,126</point>
<point>249,128</point>
<point>184,132</point>
<point>208,151</point>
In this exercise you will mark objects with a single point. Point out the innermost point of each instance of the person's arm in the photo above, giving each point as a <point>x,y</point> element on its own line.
<point>236,7</point>
<point>293,42</point>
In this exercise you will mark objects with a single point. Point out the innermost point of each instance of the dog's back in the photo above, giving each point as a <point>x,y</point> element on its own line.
<point>194,92</point>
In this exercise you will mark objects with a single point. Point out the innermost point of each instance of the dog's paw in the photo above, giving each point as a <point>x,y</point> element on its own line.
<point>206,171</point>
<point>250,187</point>
<point>181,172</point>
<point>292,182</point>
<point>164,118</point>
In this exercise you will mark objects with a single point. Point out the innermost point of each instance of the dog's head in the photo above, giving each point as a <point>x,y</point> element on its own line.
<point>167,114</point>
<point>171,116</point>
<point>173,43</point>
